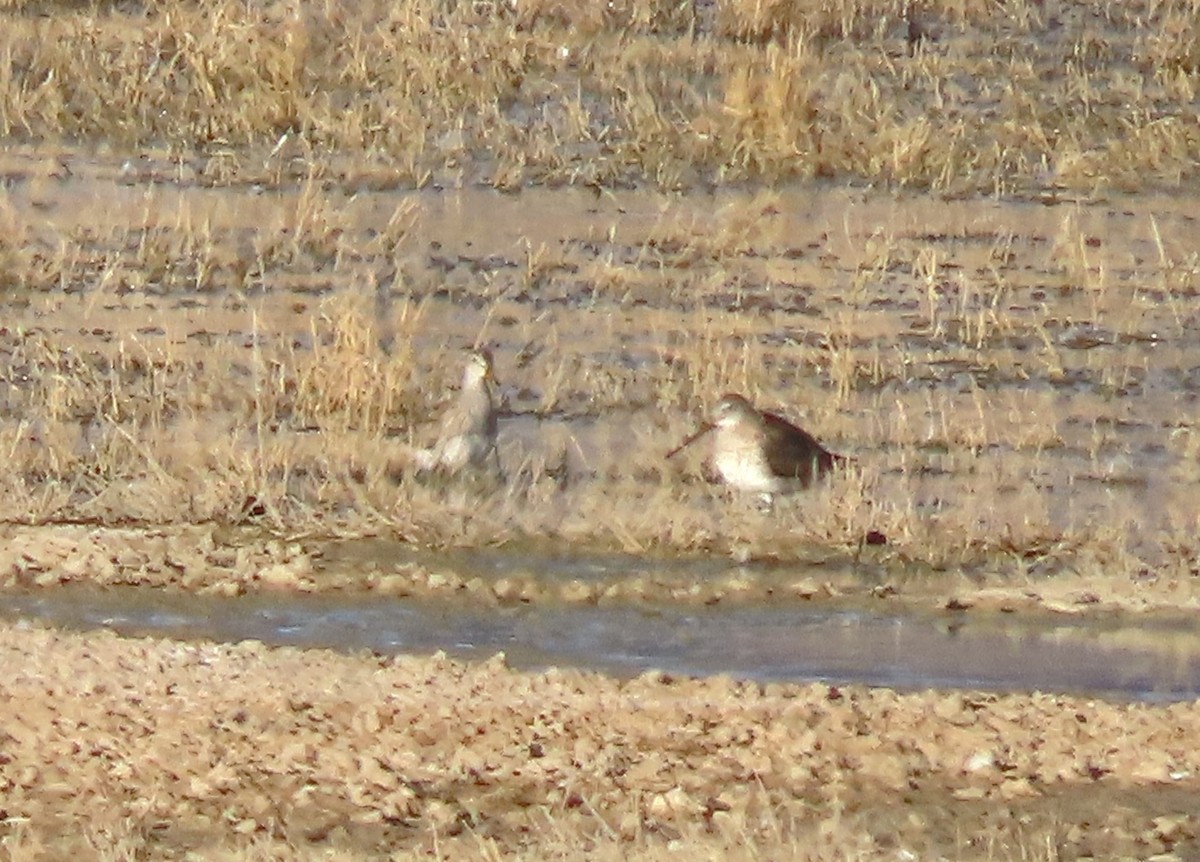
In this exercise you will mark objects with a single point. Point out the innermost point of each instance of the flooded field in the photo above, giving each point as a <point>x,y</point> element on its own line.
<point>1013,379</point>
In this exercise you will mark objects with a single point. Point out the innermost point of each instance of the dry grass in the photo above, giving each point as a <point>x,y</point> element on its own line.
<point>224,305</point>
<point>1019,97</point>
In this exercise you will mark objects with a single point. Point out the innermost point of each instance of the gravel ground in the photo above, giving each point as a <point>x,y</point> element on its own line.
<point>154,749</point>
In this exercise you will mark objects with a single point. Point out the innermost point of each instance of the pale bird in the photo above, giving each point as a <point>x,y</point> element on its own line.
<point>467,438</point>
<point>761,452</point>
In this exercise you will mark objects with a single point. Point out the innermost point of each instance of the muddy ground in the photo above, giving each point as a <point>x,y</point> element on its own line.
<point>131,748</point>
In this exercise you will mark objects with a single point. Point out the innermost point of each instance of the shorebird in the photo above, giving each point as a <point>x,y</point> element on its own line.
<point>467,439</point>
<point>761,452</point>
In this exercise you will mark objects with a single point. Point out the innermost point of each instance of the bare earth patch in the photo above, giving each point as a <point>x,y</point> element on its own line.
<point>235,561</point>
<point>113,744</point>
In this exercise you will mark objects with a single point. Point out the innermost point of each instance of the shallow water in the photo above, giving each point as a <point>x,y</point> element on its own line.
<point>1153,662</point>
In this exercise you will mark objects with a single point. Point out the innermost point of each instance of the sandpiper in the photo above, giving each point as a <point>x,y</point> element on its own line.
<point>761,452</point>
<point>468,433</point>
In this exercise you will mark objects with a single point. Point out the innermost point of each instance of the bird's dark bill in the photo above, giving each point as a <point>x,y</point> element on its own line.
<point>703,429</point>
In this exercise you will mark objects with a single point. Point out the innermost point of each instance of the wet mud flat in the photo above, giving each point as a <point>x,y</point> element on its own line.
<point>181,746</point>
<point>830,617</point>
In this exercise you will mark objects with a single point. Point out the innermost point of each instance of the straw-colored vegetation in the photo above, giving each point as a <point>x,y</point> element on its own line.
<point>961,95</point>
<point>242,245</point>
<point>1009,376</point>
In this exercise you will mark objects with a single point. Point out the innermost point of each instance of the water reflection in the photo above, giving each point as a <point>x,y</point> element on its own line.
<point>797,643</point>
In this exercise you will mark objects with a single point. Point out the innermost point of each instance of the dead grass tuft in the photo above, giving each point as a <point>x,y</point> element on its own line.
<point>955,96</point>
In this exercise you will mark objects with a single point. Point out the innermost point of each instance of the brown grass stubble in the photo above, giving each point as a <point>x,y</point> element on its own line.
<point>1024,97</point>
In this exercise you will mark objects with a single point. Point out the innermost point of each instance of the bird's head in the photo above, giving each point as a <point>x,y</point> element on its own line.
<point>730,410</point>
<point>478,368</point>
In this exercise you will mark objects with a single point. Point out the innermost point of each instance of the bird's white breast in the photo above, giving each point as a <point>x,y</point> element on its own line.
<point>741,463</point>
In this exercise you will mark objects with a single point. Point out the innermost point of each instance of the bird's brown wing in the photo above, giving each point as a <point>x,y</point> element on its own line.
<point>794,453</point>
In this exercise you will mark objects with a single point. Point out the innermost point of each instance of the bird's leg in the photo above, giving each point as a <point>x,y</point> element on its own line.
<point>764,502</point>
